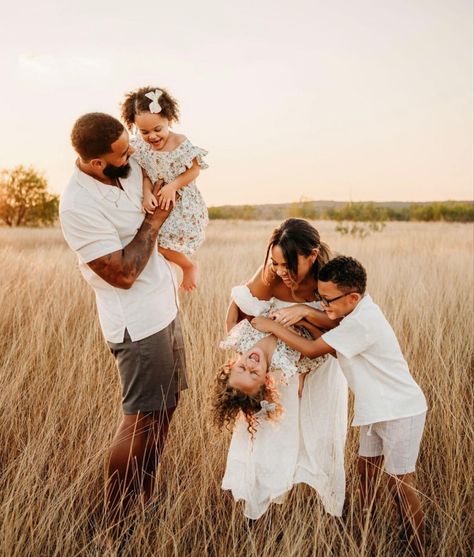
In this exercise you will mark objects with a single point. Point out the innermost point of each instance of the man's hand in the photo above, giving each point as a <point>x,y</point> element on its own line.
<point>263,324</point>
<point>291,315</point>
<point>167,197</point>
<point>159,215</point>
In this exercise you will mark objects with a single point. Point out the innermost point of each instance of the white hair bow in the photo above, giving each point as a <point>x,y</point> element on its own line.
<point>267,407</point>
<point>154,106</point>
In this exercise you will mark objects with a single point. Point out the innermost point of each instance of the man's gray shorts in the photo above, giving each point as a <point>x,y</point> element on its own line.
<point>152,370</point>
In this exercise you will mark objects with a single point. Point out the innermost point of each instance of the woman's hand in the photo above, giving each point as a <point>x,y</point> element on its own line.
<point>263,324</point>
<point>167,197</point>
<point>291,315</point>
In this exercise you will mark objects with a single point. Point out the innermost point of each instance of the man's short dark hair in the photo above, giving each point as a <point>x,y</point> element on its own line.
<point>93,134</point>
<point>346,273</point>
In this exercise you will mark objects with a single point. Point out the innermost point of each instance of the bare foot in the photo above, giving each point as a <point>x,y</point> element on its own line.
<point>190,277</point>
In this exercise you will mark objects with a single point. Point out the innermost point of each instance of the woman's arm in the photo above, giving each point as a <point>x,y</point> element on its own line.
<point>306,347</point>
<point>291,315</point>
<point>258,289</point>
<point>232,316</point>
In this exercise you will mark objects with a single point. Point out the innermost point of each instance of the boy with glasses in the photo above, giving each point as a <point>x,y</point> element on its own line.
<point>389,406</point>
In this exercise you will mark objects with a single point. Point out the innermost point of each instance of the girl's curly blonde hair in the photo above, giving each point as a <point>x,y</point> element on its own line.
<point>228,402</point>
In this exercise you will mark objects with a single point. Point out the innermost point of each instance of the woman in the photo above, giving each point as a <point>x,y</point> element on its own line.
<point>289,274</point>
<point>306,444</point>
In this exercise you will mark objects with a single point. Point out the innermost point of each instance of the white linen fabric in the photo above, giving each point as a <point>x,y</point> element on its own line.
<point>97,219</point>
<point>371,359</point>
<point>184,229</point>
<point>397,440</point>
<point>306,445</point>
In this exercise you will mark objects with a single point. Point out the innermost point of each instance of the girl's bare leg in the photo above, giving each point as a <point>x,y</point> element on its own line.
<point>189,268</point>
<point>409,506</point>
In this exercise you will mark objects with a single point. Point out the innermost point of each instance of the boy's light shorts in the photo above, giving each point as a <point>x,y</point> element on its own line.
<point>397,440</point>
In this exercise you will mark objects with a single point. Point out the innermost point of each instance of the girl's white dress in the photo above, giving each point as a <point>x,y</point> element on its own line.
<point>306,445</point>
<point>183,230</point>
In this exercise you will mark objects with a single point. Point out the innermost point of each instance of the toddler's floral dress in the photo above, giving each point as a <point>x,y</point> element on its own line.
<point>183,230</point>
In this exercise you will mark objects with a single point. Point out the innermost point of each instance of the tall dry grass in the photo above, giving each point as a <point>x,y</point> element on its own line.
<point>60,404</point>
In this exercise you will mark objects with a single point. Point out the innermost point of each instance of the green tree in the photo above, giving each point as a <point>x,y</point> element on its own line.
<point>24,198</point>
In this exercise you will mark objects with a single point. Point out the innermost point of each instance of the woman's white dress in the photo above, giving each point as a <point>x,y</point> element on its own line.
<point>306,445</point>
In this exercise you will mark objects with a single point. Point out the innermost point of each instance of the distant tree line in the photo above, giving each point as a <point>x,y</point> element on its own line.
<point>449,211</point>
<point>26,201</point>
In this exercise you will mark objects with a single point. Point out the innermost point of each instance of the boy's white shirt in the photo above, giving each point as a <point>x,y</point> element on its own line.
<point>94,226</point>
<point>377,373</point>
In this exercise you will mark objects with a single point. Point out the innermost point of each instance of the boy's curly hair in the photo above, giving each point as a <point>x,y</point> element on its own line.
<point>136,102</point>
<point>227,402</point>
<point>346,273</point>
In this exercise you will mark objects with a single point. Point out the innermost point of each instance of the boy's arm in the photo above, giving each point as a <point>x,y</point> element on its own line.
<point>312,329</point>
<point>306,347</point>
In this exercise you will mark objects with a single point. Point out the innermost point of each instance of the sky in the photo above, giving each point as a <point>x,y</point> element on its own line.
<point>344,100</point>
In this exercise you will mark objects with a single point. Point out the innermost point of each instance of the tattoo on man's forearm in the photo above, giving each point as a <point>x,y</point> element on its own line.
<point>128,263</point>
<point>136,254</point>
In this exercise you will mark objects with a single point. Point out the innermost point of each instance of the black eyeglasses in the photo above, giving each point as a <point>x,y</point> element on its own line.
<point>326,302</point>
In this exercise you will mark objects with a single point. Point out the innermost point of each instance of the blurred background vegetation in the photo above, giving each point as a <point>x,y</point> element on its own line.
<point>448,211</point>
<point>26,201</point>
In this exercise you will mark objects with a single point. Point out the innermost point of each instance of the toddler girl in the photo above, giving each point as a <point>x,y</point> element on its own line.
<point>169,157</point>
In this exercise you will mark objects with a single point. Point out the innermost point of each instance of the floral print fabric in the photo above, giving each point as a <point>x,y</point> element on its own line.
<point>243,337</point>
<point>183,230</point>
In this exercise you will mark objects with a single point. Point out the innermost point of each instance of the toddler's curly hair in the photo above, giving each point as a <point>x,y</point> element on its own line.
<point>136,102</point>
<point>227,402</point>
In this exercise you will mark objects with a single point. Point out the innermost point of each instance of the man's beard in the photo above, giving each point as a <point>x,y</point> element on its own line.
<point>112,171</point>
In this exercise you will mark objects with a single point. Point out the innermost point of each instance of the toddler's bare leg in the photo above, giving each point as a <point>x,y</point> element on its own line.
<point>409,506</point>
<point>189,268</point>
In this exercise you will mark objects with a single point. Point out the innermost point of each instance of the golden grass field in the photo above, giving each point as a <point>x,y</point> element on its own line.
<point>60,404</point>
